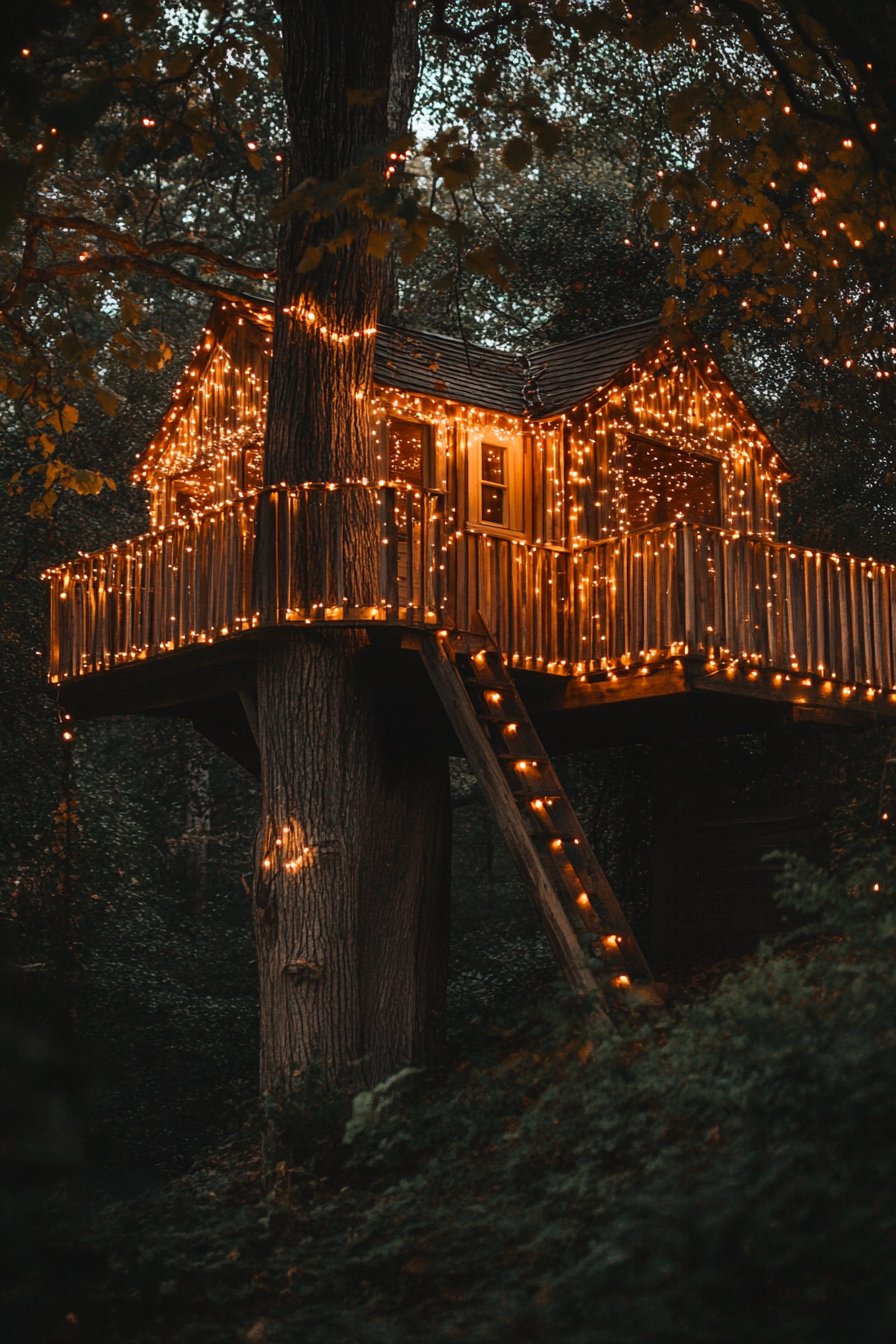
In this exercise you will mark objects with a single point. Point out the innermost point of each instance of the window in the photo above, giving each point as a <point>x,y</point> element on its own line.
<point>667,485</point>
<point>408,451</point>
<point>494,475</point>
<point>493,484</point>
<point>192,492</point>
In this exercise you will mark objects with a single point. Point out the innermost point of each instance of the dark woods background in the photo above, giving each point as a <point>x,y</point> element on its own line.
<point>129,1015</point>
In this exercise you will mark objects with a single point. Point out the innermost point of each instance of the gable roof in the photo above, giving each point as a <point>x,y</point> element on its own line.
<point>563,375</point>
<point>541,384</point>
<point>545,383</point>
<point>429,364</point>
<point>448,368</point>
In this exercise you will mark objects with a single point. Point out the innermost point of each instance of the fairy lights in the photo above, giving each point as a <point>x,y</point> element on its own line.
<point>672,445</point>
<point>659,480</point>
<point>285,850</point>
<point>312,317</point>
<point>209,447</point>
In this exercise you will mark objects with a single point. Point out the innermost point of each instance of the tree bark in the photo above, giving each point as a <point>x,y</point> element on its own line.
<point>351,913</point>
<point>353,849</point>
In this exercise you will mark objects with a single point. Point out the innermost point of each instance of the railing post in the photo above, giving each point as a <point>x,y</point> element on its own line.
<point>388,551</point>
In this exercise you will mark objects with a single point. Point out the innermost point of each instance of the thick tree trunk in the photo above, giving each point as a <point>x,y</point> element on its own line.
<point>353,856</point>
<point>351,941</point>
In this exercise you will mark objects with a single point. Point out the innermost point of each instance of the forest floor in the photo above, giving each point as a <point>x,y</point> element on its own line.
<point>719,1170</point>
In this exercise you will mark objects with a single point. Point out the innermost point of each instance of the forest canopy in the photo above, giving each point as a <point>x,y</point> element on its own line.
<point>748,146</point>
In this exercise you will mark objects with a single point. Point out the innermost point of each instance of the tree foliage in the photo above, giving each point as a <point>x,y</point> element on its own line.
<point>142,147</point>
<point>134,153</point>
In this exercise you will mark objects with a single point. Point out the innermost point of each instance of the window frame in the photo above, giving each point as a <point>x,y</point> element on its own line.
<point>434,466</point>
<point>512,443</point>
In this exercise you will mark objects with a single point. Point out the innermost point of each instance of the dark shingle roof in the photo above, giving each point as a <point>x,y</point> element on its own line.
<point>564,375</point>
<point>548,382</point>
<point>448,368</point>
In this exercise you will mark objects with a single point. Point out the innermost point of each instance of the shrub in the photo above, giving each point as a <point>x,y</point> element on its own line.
<point>719,1171</point>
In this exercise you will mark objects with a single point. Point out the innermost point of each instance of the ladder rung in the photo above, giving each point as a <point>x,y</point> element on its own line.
<point>490,684</point>
<point>517,756</point>
<point>535,816</point>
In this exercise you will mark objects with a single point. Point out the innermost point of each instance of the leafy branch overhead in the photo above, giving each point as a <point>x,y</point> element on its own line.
<point>137,154</point>
<point>128,162</point>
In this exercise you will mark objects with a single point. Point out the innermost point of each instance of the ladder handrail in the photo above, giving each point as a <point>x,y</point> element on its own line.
<point>558,866</point>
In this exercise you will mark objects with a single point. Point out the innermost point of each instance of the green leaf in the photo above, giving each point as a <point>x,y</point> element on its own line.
<point>492,262</point>
<point>548,138</point>
<point>85,482</point>
<point>660,215</point>
<point>517,154</point>
<point>378,244</point>
<point>43,508</point>
<point>539,41</point>
<point>62,420</point>
<point>107,399</point>
<point>232,84</point>
<point>310,261</point>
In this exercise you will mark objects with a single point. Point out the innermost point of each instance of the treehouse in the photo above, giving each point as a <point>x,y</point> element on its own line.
<point>605,511</point>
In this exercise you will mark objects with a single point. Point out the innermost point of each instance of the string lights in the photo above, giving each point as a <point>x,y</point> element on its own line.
<point>640,530</point>
<point>313,318</point>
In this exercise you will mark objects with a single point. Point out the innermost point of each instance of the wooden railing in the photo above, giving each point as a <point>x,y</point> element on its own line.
<point>679,589</point>
<point>717,594</point>
<point>666,591</point>
<point>198,582</point>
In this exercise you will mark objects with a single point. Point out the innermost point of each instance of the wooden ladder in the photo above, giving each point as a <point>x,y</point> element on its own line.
<point>580,915</point>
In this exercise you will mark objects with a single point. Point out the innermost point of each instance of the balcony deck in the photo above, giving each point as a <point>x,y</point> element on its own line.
<point>643,616</point>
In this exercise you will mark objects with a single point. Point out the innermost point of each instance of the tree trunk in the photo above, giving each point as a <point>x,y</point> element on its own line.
<point>352,862</point>
<point>352,941</point>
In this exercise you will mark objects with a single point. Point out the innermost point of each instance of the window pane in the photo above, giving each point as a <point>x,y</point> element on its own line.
<point>493,504</point>
<point>667,485</point>
<point>493,463</point>
<point>406,442</point>
<point>193,491</point>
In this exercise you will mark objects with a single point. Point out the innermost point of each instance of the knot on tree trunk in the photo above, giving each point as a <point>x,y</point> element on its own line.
<point>303,970</point>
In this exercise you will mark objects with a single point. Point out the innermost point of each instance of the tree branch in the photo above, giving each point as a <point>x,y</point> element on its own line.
<point>136,257</point>
<point>440,27</point>
<point>160,248</point>
<point>751,19</point>
<point>111,264</point>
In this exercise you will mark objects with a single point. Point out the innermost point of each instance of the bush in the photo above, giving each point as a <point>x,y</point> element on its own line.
<point>719,1171</point>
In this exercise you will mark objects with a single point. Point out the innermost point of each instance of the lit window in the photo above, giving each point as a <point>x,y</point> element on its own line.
<point>408,451</point>
<point>493,504</point>
<point>668,485</point>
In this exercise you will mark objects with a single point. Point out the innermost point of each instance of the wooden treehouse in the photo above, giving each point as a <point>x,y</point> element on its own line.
<point>605,510</point>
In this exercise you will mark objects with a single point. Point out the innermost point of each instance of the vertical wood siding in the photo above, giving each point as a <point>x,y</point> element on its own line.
<point>677,403</point>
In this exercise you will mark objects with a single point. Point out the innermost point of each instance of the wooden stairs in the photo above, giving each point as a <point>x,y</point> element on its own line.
<point>580,915</point>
